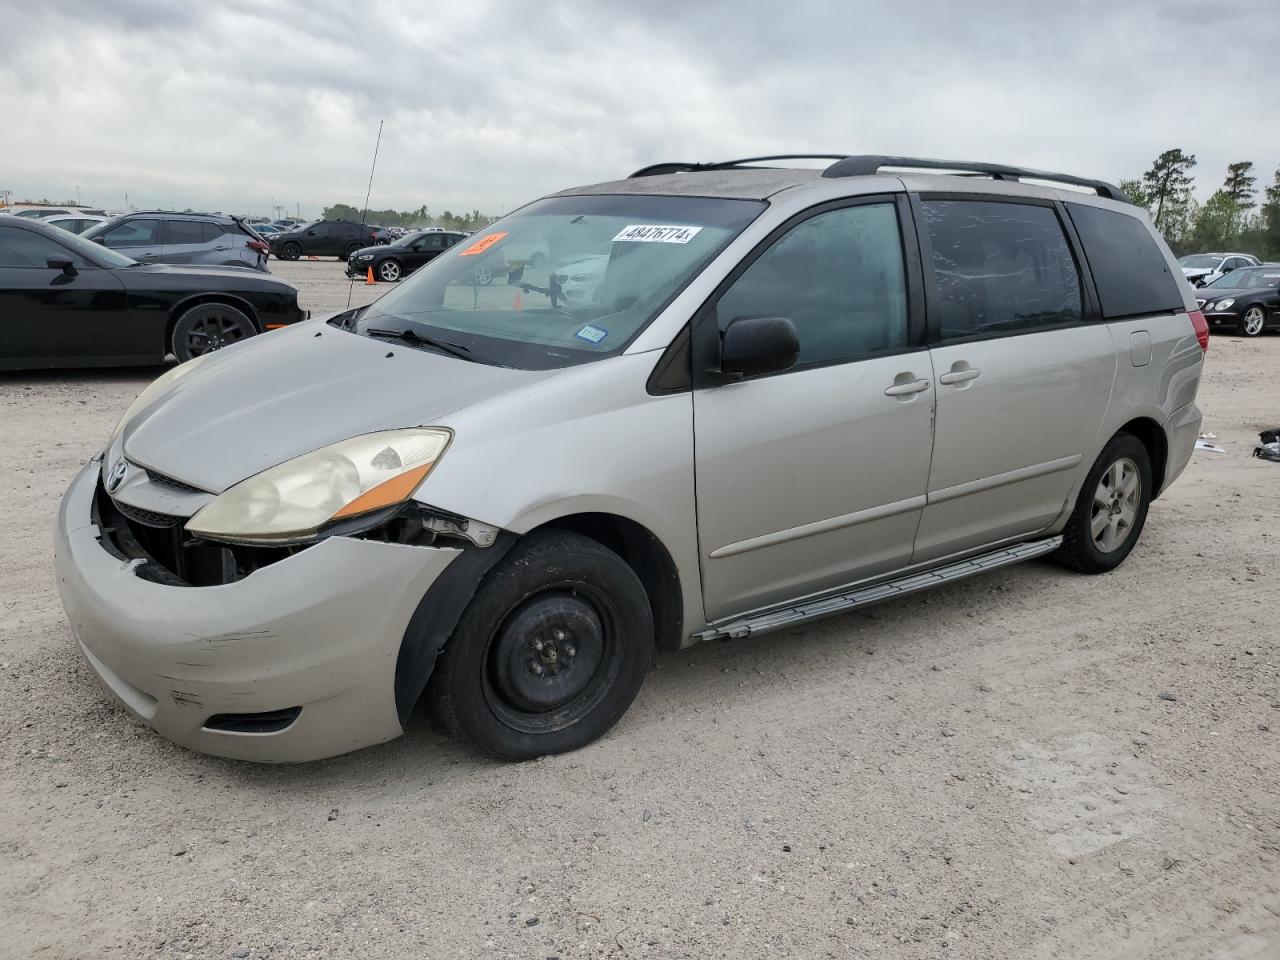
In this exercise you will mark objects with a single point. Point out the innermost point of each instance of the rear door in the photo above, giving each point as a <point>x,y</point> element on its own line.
<point>815,476</point>
<point>1024,370</point>
<point>186,241</point>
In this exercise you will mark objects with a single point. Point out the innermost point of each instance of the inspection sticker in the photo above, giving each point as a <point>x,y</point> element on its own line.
<point>483,244</point>
<point>655,233</point>
<point>593,334</point>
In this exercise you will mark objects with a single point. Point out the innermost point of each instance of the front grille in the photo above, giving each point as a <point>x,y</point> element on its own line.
<point>171,555</point>
<point>167,481</point>
<point>147,518</point>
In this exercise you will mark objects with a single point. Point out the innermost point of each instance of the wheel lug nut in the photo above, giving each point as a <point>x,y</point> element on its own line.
<point>538,645</point>
<point>536,668</point>
<point>560,635</point>
<point>570,650</point>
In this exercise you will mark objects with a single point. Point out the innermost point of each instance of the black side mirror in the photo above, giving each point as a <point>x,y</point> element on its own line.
<point>751,346</point>
<point>1226,270</point>
<point>515,274</point>
<point>61,263</point>
<point>100,240</point>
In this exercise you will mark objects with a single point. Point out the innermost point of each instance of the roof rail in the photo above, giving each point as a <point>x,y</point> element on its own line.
<point>658,169</point>
<point>870,164</point>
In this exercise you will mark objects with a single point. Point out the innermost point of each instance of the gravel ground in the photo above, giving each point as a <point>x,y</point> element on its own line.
<point>1030,764</point>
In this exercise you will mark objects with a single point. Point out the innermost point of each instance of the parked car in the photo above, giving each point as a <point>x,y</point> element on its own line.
<point>1202,268</point>
<point>392,261</point>
<point>68,302</point>
<point>75,222</point>
<point>265,230</point>
<point>793,393</point>
<point>1246,300</point>
<point>579,279</point>
<point>324,238</point>
<point>193,238</point>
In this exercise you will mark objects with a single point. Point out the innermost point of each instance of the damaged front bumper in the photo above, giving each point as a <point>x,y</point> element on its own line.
<point>297,661</point>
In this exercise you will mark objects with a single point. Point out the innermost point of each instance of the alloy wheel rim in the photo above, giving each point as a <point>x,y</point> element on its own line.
<point>389,271</point>
<point>1115,505</point>
<point>212,332</point>
<point>1253,321</point>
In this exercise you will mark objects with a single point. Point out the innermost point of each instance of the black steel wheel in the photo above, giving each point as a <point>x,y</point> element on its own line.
<point>290,251</point>
<point>208,327</point>
<point>551,651</point>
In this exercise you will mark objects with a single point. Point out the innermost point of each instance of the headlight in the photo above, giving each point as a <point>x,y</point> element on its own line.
<point>1224,304</point>
<point>156,387</point>
<point>367,256</point>
<point>291,502</point>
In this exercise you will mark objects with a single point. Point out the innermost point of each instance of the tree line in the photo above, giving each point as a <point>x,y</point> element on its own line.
<point>1230,220</point>
<point>422,217</point>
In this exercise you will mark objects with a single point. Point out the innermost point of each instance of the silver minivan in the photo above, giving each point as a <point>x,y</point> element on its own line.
<point>788,394</point>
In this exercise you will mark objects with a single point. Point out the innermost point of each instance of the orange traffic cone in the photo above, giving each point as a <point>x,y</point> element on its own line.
<point>519,304</point>
<point>369,281</point>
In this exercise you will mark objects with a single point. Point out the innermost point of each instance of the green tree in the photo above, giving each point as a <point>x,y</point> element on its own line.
<point>1214,226</point>
<point>1269,227</point>
<point>1167,187</point>
<point>1136,192</point>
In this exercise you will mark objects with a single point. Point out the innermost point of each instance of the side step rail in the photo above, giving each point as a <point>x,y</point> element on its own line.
<point>824,606</point>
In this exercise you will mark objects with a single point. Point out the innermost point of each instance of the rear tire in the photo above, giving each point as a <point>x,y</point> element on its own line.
<point>351,248</point>
<point>550,652</point>
<point>1253,321</point>
<point>290,251</point>
<point>208,327</point>
<point>1111,510</point>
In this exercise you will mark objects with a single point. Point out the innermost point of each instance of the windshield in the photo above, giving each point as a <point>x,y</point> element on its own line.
<point>96,252</point>
<point>1248,277</point>
<point>565,280</point>
<point>1200,260</point>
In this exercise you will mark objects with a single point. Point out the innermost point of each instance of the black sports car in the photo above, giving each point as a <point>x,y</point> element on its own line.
<point>392,261</point>
<point>68,302</point>
<point>1247,299</point>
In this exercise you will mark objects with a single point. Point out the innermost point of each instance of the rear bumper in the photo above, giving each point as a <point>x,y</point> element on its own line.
<point>1182,429</point>
<point>320,630</point>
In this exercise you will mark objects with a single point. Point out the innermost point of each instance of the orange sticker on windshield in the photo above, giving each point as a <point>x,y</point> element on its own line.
<point>483,244</point>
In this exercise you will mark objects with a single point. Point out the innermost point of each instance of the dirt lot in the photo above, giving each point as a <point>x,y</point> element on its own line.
<point>1030,764</point>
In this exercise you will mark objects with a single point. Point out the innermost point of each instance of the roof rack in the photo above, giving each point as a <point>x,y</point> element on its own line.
<point>865,165</point>
<point>658,169</point>
<point>871,164</point>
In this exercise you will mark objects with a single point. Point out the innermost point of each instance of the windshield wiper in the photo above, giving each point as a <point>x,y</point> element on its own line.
<point>409,335</point>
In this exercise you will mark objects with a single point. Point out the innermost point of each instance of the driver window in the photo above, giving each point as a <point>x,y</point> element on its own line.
<point>133,233</point>
<point>27,249</point>
<point>838,277</point>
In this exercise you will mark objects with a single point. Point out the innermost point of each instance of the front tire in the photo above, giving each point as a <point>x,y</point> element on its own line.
<point>1111,510</point>
<point>208,327</point>
<point>389,271</point>
<point>551,651</point>
<point>290,251</point>
<point>1253,321</point>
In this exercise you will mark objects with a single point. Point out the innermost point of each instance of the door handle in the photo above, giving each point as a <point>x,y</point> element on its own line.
<point>960,376</point>
<point>906,389</point>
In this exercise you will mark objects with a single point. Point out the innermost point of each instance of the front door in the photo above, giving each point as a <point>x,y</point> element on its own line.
<point>1022,379</point>
<point>47,314</point>
<point>137,237</point>
<point>815,477</point>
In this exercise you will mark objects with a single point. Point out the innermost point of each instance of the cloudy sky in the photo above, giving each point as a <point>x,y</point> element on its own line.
<point>232,104</point>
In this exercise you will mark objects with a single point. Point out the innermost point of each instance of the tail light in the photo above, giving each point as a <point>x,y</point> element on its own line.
<point>258,246</point>
<point>1201,328</point>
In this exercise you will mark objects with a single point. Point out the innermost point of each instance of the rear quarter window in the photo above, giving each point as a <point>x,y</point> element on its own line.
<point>1128,268</point>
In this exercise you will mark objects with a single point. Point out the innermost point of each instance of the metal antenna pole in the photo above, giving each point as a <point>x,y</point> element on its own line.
<point>365,215</point>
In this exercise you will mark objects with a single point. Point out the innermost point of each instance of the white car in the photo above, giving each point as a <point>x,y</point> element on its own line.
<point>75,222</point>
<point>579,278</point>
<point>1202,268</point>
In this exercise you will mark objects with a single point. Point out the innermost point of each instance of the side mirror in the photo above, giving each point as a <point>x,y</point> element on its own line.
<point>751,346</point>
<point>515,274</point>
<point>100,240</point>
<point>61,263</point>
<point>1226,270</point>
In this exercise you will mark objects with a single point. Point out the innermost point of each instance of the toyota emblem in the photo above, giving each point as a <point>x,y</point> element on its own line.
<point>117,475</point>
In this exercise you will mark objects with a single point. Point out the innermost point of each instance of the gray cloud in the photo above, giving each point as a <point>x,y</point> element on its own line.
<point>487,105</point>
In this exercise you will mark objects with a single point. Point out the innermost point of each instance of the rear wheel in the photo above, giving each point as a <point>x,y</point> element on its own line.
<point>351,248</point>
<point>1252,321</point>
<point>551,651</point>
<point>209,327</point>
<point>290,251</point>
<point>1111,509</point>
<point>389,271</point>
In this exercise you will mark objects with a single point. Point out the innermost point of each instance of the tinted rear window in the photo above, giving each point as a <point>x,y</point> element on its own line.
<point>1128,268</point>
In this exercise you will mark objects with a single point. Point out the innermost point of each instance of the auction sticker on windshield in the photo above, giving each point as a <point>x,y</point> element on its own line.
<point>655,233</point>
<point>483,244</point>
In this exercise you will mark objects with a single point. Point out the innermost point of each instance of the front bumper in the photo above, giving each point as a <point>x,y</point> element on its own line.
<point>1227,318</point>
<point>356,269</point>
<point>320,630</point>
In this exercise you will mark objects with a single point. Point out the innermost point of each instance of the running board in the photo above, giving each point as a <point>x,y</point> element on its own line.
<point>779,617</point>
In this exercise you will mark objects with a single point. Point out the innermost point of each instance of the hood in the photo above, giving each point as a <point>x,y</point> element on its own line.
<point>286,393</point>
<point>376,249</point>
<point>1213,292</point>
<point>1197,271</point>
